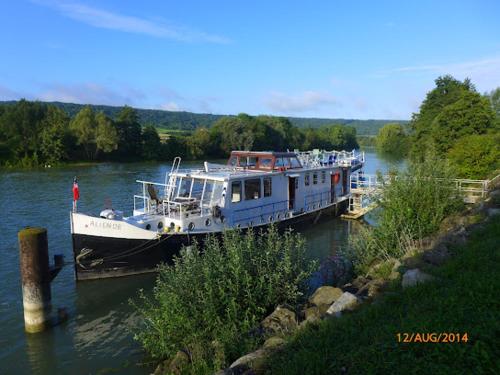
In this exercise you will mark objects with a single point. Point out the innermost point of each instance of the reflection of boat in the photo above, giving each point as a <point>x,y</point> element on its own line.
<point>254,189</point>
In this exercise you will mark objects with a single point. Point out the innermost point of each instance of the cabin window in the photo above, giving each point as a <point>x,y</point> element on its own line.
<point>282,162</point>
<point>233,161</point>
<point>185,187</point>
<point>252,189</point>
<point>197,188</point>
<point>294,163</point>
<point>268,187</point>
<point>236,191</point>
<point>323,177</point>
<point>265,163</point>
<point>249,161</point>
<point>207,196</point>
<point>315,178</point>
<point>306,179</point>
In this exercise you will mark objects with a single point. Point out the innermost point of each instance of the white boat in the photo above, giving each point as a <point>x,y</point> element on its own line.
<point>254,190</point>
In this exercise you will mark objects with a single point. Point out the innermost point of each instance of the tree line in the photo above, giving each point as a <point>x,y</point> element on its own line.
<point>35,133</point>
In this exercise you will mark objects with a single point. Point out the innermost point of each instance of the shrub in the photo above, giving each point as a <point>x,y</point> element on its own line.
<point>209,304</point>
<point>412,205</point>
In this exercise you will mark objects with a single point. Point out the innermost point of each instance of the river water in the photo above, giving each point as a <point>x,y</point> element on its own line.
<point>96,339</point>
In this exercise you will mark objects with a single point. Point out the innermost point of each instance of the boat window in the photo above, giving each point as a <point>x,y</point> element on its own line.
<point>197,188</point>
<point>207,196</point>
<point>185,187</point>
<point>265,163</point>
<point>252,189</point>
<point>315,178</point>
<point>236,191</point>
<point>323,177</point>
<point>268,187</point>
<point>282,162</point>
<point>249,161</point>
<point>295,163</point>
<point>306,179</point>
<point>233,161</point>
<point>218,193</point>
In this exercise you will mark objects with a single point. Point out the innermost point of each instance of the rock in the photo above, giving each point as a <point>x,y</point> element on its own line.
<point>280,321</point>
<point>347,301</point>
<point>437,256</point>
<point>273,343</point>
<point>414,277</point>
<point>371,289</point>
<point>313,313</point>
<point>325,295</point>
<point>255,361</point>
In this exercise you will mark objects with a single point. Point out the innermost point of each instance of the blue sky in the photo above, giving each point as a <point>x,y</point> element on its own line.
<point>349,59</point>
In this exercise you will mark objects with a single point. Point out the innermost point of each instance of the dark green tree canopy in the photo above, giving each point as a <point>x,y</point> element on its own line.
<point>392,139</point>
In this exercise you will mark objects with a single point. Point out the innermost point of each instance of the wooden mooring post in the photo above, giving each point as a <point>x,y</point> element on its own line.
<point>36,276</point>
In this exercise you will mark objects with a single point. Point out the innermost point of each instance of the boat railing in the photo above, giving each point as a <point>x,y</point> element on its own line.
<point>266,213</point>
<point>319,158</point>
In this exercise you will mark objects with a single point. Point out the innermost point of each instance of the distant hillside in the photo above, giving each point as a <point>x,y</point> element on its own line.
<point>190,121</point>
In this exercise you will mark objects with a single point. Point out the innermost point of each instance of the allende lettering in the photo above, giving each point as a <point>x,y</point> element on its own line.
<point>105,225</point>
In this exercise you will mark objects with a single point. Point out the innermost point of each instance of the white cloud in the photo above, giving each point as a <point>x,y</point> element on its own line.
<point>115,21</point>
<point>483,72</point>
<point>306,101</point>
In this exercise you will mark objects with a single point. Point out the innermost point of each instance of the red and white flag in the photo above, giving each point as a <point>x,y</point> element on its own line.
<point>76,191</point>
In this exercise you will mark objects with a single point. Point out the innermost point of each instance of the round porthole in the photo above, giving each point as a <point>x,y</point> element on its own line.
<point>148,226</point>
<point>160,224</point>
<point>271,218</point>
<point>172,225</point>
<point>191,226</point>
<point>208,222</point>
<point>222,219</point>
<point>278,216</point>
<point>238,226</point>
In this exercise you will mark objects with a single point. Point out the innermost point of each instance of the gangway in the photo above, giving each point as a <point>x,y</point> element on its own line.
<point>365,189</point>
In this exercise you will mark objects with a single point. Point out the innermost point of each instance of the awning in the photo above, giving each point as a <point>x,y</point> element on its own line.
<point>292,175</point>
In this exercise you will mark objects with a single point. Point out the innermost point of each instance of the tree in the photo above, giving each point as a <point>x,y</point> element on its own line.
<point>151,145</point>
<point>494,97</point>
<point>475,156</point>
<point>106,135</point>
<point>129,133</point>
<point>84,126</point>
<point>447,91</point>
<point>469,114</point>
<point>54,141</point>
<point>392,139</point>
<point>198,144</point>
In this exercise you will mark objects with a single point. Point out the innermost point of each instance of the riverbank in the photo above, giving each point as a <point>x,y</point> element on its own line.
<point>455,293</point>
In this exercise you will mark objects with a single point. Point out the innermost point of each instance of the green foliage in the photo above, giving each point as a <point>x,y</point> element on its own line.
<point>209,304</point>
<point>151,145</point>
<point>470,114</point>
<point>494,97</point>
<point>84,127</point>
<point>106,136</point>
<point>129,133</point>
<point>55,138</point>
<point>412,206</point>
<point>464,301</point>
<point>451,110</point>
<point>392,139</point>
<point>475,156</point>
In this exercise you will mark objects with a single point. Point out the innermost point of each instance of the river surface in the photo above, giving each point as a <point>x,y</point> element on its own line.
<point>96,339</point>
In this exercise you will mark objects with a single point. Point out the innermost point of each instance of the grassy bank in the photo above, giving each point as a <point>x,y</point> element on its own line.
<point>463,300</point>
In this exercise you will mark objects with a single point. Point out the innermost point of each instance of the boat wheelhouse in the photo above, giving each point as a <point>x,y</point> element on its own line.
<point>254,189</point>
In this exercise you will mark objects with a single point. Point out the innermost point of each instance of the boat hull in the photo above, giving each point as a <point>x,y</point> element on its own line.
<point>99,257</point>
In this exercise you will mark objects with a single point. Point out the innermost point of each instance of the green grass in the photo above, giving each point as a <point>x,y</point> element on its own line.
<point>464,300</point>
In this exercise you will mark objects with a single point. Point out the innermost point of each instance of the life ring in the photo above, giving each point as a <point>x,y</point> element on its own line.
<point>336,178</point>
